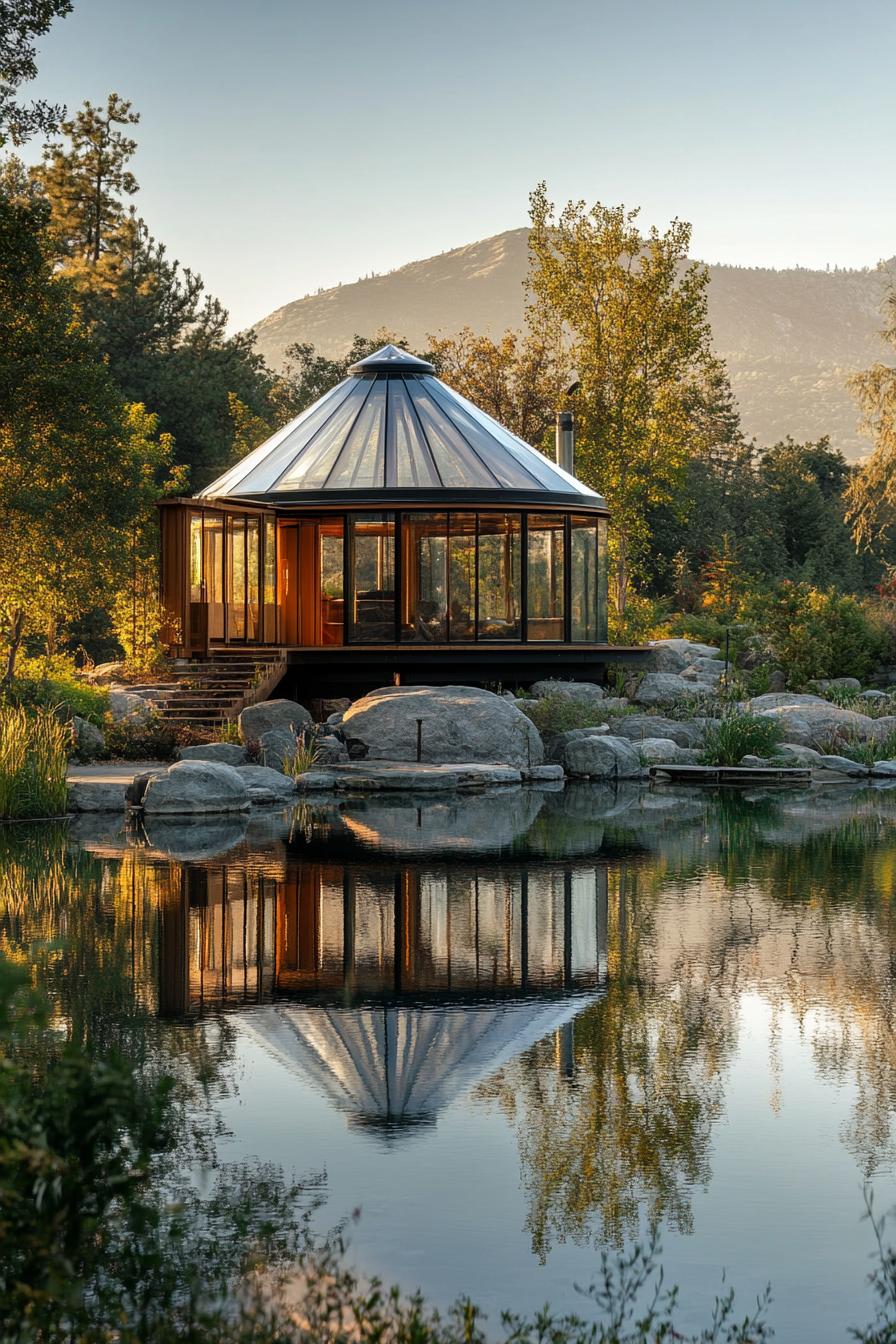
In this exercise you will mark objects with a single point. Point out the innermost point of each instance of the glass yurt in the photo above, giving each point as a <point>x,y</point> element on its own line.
<point>393,532</point>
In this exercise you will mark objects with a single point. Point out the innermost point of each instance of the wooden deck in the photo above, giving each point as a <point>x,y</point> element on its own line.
<point>732,776</point>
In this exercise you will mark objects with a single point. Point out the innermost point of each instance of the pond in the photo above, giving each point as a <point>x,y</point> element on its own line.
<point>516,1028</point>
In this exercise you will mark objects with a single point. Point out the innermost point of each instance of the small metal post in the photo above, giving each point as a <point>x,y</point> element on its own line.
<point>727,652</point>
<point>419,740</point>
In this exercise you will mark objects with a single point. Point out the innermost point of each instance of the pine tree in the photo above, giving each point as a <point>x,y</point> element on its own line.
<point>85,181</point>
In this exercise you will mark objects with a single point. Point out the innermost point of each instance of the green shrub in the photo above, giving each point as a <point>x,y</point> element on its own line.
<point>54,683</point>
<point>143,740</point>
<point>559,714</point>
<point>735,735</point>
<point>33,763</point>
<point>812,634</point>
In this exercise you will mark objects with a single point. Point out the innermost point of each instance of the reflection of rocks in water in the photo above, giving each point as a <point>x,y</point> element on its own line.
<point>100,830</point>
<point>485,823</point>
<point>197,838</point>
<point>391,1068</point>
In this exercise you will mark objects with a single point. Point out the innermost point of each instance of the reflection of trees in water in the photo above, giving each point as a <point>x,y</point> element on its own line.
<point>790,900</point>
<point>628,1128</point>
<point>88,926</point>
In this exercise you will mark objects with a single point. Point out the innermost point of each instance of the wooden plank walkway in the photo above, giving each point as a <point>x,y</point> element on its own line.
<point>732,776</point>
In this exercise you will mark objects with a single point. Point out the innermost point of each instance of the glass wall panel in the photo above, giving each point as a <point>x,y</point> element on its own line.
<point>332,604</point>
<point>603,569</point>
<point>583,579</point>
<point>213,572</point>
<point>197,593</point>
<point>236,576</point>
<point>270,582</point>
<point>462,578</point>
<point>546,576</point>
<point>253,578</point>
<point>372,576</point>
<point>499,575</point>
<point>424,603</point>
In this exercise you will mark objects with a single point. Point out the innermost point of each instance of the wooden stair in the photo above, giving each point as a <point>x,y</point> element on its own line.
<point>207,692</point>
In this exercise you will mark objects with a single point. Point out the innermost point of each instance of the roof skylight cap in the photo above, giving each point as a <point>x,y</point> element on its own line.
<point>391,359</point>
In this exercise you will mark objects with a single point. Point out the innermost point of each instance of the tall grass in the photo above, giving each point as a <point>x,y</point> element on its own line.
<point>33,763</point>
<point>727,740</point>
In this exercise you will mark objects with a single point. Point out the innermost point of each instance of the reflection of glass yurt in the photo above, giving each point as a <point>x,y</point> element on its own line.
<point>394,1066</point>
<point>395,516</point>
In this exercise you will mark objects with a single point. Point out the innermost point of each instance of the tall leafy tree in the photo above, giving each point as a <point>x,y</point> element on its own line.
<point>74,467</point>
<point>872,492</point>
<point>634,312</point>
<point>21,23</point>
<point>518,379</point>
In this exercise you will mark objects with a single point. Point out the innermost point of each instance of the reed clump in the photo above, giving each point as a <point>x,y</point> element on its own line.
<point>33,763</point>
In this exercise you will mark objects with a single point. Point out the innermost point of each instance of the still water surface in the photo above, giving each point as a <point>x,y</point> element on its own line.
<point>516,1028</point>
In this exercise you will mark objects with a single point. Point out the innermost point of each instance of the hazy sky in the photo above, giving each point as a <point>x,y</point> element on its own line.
<point>286,145</point>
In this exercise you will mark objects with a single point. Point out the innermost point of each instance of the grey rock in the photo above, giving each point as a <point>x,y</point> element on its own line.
<point>778,699</point>
<point>797,754</point>
<point>336,706</point>
<point>567,690</point>
<point>262,797</point>
<point>615,704</point>
<point>601,758</point>
<point>331,750</point>
<point>714,665</point>
<point>228,753</point>
<point>842,764</point>
<point>750,762</point>
<point>659,751</point>
<point>883,727</point>
<point>873,695</point>
<point>316,781</point>
<point>637,727</point>
<point>884,769</point>
<point>277,747</point>
<point>458,724</point>
<point>695,650</point>
<point>555,744</point>
<point>272,781</point>
<point>842,683</point>
<point>776,681</point>
<point>137,787</point>
<point>540,774</point>
<point>89,739</point>
<point>664,688</point>
<point>267,715</point>
<point>125,705</point>
<point>88,795</point>
<point>335,719</point>
<point>811,721</point>
<point>196,786</point>
<point>664,657</point>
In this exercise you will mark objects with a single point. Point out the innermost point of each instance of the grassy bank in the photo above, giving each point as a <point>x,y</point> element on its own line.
<point>33,763</point>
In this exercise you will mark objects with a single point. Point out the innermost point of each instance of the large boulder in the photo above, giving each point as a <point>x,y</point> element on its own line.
<point>555,744</point>
<point>659,751</point>
<point>664,688</point>
<point>91,795</point>
<point>601,757</point>
<point>567,690</point>
<point>458,724</point>
<point>196,786</point>
<point>124,705</point>
<point>638,727</point>
<point>262,777</point>
<point>89,741</point>
<point>277,748</point>
<point>227,753</point>
<point>666,656</point>
<point>809,721</point>
<point>256,720</point>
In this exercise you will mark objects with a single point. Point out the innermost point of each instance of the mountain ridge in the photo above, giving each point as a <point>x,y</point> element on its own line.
<point>790,337</point>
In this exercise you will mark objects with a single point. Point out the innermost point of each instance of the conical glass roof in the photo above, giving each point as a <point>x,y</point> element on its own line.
<point>393,427</point>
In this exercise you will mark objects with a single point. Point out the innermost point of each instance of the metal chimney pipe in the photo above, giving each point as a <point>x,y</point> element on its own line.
<point>566,452</point>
